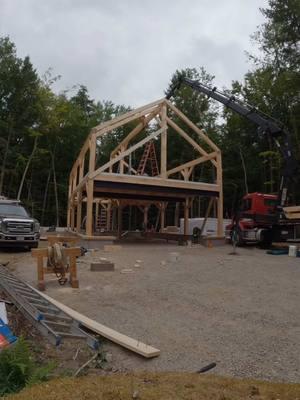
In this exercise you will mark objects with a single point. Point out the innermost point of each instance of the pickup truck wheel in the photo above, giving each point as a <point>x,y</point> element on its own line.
<point>237,237</point>
<point>33,246</point>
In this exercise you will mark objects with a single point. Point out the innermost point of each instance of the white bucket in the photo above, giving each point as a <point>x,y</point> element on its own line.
<point>293,251</point>
<point>173,257</point>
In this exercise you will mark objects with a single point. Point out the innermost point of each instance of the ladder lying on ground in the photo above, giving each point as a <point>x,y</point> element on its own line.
<point>46,317</point>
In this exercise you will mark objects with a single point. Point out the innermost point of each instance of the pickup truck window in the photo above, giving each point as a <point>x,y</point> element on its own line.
<point>12,209</point>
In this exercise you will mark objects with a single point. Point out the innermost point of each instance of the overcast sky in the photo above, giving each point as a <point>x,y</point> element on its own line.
<point>127,50</point>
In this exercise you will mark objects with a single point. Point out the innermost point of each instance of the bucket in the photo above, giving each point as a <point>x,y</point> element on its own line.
<point>293,251</point>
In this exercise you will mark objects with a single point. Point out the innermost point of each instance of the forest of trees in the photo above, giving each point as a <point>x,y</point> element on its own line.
<point>41,132</point>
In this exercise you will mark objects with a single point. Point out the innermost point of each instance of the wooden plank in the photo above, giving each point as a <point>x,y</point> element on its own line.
<point>292,215</point>
<point>291,209</point>
<point>129,343</point>
<point>127,117</point>
<point>125,154</point>
<point>163,142</point>
<point>192,163</point>
<point>220,229</point>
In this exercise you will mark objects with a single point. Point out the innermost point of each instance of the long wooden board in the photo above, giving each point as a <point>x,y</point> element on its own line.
<point>129,343</point>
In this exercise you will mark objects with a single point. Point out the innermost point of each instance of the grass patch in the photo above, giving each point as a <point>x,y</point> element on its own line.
<point>155,386</point>
<point>18,368</point>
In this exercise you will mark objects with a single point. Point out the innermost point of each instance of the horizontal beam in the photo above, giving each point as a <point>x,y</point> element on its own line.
<point>192,163</point>
<point>156,181</point>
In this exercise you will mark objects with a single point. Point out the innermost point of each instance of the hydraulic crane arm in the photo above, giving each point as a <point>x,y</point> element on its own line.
<point>266,124</point>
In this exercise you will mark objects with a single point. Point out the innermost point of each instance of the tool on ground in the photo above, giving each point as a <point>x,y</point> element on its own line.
<point>207,368</point>
<point>6,335</point>
<point>51,321</point>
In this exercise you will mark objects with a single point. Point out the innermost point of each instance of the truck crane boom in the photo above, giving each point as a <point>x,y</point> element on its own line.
<point>267,125</point>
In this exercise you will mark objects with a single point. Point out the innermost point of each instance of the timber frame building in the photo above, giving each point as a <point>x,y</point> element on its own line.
<point>116,184</point>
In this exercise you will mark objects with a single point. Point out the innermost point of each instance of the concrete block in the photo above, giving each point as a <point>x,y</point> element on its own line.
<point>112,247</point>
<point>102,266</point>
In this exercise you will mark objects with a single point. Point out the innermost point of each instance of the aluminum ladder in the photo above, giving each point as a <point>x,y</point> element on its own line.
<point>51,321</point>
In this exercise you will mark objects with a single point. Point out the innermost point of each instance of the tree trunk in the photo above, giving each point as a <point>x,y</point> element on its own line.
<point>245,171</point>
<point>55,187</point>
<point>26,168</point>
<point>45,197</point>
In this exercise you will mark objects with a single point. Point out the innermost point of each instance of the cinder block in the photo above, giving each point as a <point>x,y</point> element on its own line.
<point>102,266</point>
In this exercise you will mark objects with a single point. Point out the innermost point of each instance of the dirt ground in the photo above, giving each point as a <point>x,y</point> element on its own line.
<point>240,311</point>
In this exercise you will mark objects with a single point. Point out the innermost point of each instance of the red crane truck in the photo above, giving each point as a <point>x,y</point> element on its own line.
<point>262,218</point>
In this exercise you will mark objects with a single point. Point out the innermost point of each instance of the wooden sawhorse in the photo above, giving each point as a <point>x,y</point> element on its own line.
<point>41,254</point>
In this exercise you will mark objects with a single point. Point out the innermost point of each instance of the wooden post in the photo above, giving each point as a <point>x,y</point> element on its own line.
<point>79,211</point>
<point>90,186</point>
<point>108,217</point>
<point>120,207</point>
<point>123,148</point>
<point>40,273</point>
<point>163,149</point>
<point>176,216</point>
<point>89,207</point>
<point>96,214</point>
<point>162,216</point>
<point>69,202</point>
<point>220,229</point>
<point>73,270</point>
<point>146,217</point>
<point>72,216</point>
<point>186,216</point>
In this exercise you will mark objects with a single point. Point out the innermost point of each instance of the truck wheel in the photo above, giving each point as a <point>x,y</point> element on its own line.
<point>266,240</point>
<point>237,237</point>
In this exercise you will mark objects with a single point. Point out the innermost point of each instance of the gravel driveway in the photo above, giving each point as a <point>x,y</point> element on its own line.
<point>240,311</point>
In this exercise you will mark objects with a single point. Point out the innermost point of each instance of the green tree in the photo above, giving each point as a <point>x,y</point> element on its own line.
<point>19,84</point>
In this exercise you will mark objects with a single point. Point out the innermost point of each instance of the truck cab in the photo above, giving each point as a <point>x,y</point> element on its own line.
<point>254,220</point>
<point>17,228</point>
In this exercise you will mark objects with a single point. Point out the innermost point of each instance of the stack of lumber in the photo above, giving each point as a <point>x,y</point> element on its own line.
<point>292,212</point>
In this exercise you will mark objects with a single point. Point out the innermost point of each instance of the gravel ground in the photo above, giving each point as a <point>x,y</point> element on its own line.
<point>240,311</point>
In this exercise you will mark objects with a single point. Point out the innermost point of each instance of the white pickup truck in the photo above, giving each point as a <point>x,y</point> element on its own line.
<point>17,228</point>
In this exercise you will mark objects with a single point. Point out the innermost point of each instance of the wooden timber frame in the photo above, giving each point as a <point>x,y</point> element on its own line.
<point>116,184</point>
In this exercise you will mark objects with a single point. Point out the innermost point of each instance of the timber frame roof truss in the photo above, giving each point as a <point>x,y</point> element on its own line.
<point>117,178</point>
